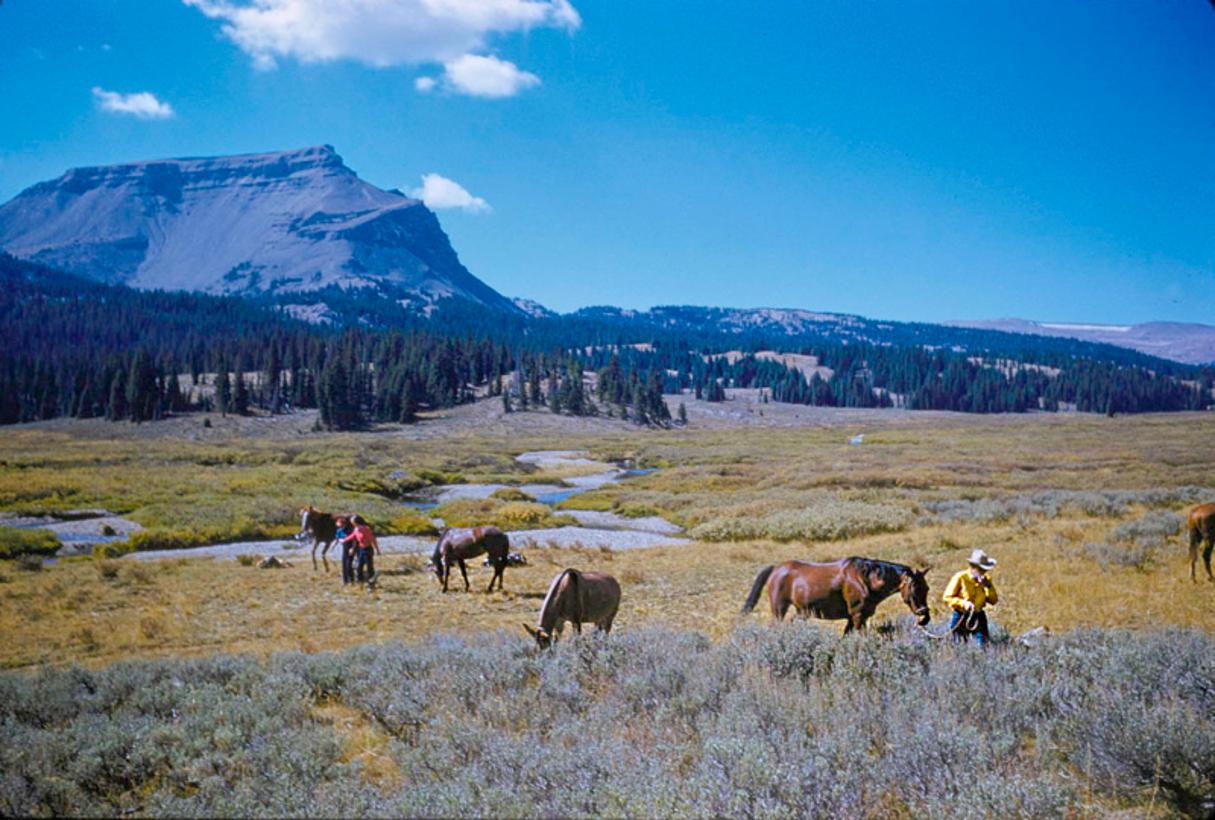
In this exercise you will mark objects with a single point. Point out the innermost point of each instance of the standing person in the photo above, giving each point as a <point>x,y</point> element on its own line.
<point>365,542</point>
<point>345,529</point>
<point>967,594</point>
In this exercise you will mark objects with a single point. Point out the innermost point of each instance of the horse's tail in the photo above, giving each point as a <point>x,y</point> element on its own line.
<point>758,587</point>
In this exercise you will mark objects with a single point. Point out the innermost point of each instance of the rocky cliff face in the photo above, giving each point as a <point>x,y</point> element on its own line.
<point>282,222</point>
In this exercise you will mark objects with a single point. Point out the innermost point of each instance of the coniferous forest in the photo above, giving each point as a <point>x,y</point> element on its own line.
<point>76,348</point>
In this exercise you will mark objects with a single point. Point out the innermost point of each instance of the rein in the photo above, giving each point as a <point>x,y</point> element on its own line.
<point>969,622</point>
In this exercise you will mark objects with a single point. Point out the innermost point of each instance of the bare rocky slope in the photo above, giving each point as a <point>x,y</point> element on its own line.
<point>253,224</point>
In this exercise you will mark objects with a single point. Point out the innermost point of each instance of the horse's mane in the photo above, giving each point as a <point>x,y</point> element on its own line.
<point>552,591</point>
<point>871,566</point>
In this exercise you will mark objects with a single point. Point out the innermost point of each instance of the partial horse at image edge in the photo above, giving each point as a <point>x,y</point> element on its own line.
<point>1201,526</point>
<point>577,597</point>
<point>849,588</point>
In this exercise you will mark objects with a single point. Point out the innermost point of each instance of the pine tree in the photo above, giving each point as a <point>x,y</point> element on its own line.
<point>240,396</point>
<point>274,379</point>
<point>223,389</point>
<point>409,404</point>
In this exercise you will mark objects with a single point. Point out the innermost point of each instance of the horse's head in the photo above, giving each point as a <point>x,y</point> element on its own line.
<point>914,588</point>
<point>436,558</point>
<point>544,638</point>
<point>305,517</point>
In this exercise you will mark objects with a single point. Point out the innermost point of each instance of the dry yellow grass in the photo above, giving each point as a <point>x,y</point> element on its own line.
<point>69,613</point>
<point>98,612</point>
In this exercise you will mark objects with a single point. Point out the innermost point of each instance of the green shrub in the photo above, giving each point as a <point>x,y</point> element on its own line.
<point>409,523</point>
<point>511,494</point>
<point>468,512</point>
<point>827,521</point>
<point>114,549</point>
<point>788,721</point>
<point>595,501</point>
<point>393,486</point>
<point>513,515</point>
<point>522,513</point>
<point>438,477</point>
<point>17,542</point>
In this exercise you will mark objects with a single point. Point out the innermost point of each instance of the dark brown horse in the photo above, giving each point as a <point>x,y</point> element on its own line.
<point>1201,525</point>
<point>457,546</point>
<point>577,597</point>
<point>321,527</point>
<point>849,588</point>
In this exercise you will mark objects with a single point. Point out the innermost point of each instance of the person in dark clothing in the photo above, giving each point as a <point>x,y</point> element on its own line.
<point>345,529</point>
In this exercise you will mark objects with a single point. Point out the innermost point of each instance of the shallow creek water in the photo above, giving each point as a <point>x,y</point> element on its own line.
<point>595,529</point>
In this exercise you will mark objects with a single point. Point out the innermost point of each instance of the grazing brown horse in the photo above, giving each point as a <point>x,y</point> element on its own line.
<point>321,527</point>
<point>849,588</point>
<point>457,546</point>
<point>1201,525</point>
<point>577,597</point>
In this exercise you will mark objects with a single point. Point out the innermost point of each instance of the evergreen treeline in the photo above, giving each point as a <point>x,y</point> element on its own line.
<point>73,347</point>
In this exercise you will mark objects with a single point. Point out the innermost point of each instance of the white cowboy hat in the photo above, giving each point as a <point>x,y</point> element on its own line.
<point>981,560</point>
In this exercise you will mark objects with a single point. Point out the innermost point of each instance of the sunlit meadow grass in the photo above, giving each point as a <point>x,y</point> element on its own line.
<point>1081,512</point>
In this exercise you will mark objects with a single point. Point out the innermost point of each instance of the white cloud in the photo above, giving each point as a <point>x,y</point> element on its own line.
<point>479,76</point>
<point>424,84</point>
<point>141,104</point>
<point>439,192</point>
<point>380,33</point>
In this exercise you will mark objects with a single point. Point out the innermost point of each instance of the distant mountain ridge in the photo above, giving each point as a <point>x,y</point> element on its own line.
<point>1191,343</point>
<point>301,231</point>
<point>252,224</point>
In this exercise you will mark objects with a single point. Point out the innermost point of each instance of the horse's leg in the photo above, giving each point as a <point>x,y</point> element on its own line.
<point>1195,542</point>
<point>315,544</point>
<point>325,552</point>
<point>445,565</point>
<point>464,572</point>
<point>498,567</point>
<point>1206,557</point>
<point>605,626</point>
<point>778,603</point>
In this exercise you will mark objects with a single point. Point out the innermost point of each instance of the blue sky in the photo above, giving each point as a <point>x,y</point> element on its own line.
<point>930,161</point>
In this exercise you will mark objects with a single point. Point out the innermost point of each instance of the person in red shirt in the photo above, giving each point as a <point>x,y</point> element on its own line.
<point>364,542</point>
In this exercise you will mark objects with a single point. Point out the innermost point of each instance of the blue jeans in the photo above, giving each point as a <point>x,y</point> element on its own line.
<point>347,563</point>
<point>366,563</point>
<point>962,633</point>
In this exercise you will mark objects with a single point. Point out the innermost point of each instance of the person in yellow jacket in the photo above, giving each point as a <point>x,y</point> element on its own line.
<point>967,594</point>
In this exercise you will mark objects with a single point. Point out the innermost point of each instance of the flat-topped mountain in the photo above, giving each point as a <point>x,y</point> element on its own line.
<point>275,223</point>
<point>1187,342</point>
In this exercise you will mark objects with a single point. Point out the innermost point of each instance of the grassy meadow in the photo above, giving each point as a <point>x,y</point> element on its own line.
<point>1082,512</point>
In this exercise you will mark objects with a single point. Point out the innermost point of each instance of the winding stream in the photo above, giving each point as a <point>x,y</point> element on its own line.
<point>595,530</point>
